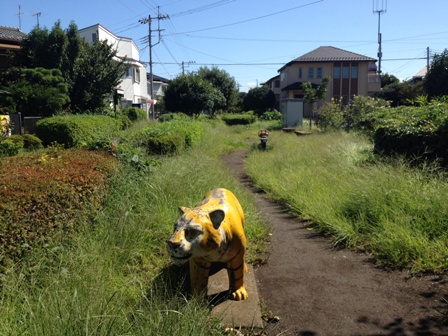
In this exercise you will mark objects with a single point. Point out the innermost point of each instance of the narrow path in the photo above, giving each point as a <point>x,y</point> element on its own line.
<point>317,290</point>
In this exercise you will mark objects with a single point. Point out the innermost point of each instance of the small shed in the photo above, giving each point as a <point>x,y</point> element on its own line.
<point>292,111</point>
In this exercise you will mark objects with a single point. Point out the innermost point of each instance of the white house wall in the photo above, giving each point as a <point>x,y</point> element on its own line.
<point>134,91</point>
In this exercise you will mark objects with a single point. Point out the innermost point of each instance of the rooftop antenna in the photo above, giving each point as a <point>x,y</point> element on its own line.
<point>379,7</point>
<point>37,14</point>
<point>19,14</point>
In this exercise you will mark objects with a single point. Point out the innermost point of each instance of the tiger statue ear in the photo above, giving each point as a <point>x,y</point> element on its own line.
<point>217,216</point>
<point>183,210</point>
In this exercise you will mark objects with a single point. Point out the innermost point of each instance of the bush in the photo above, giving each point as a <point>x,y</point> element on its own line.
<point>330,116</point>
<point>169,137</point>
<point>8,148</point>
<point>17,139</point>
<point>271,115</point>
<point>41,203</point>
<point>173,116</point>
<point>32,142</point>
<point>76,130</point>
<point>135,113</point>
<point>416,132</point>
<point>361,114</point>
<point>239,119</point>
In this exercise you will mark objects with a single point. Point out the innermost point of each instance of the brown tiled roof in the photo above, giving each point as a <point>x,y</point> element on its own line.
<point>11,33</point>
<point>331,54</point>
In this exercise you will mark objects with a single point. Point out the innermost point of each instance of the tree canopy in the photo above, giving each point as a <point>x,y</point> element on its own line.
<point>89,71</point>
<point>436,79</point>
<point>221,80</point>
<point>37,92</point>
<point>259,99</point>
<point>192,94</point>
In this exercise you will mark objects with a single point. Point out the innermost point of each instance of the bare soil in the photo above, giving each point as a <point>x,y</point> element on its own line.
<point>318,290</point>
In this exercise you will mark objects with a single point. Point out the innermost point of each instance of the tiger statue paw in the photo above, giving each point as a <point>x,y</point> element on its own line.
<point>240,294</point>
<point>212,232</point>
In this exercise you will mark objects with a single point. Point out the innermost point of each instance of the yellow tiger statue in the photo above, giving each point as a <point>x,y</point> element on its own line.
<point>212,232</point>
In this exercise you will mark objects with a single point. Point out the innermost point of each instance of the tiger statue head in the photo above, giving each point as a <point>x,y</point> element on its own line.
<point>212,232</point>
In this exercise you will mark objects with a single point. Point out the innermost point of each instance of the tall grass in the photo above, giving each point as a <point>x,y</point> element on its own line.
<point>397,213</point>
<point>114,278</point>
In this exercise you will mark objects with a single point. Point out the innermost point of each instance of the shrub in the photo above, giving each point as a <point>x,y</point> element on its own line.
<point>173,116</point>
<point>8,148</point>
<point>135,113</point>
<point>32,142</point>
<point>415,132</point>
<point>45,196</point>
<point>17,139</point>
<point>239,119</point>
<point>169,137</point>
<point>330,116</point>
<point>361,114</point>
<point>271,115</point>
<point>76,130</point>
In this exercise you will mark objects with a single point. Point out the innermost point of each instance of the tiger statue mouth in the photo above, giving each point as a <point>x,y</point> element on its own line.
<point>180,260</point>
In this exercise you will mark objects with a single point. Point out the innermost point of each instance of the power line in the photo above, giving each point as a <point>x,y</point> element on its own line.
<point>256,18</point>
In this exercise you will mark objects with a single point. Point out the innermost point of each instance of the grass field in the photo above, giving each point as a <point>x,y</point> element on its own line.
<point>396,213</point>
<point>110,280</point>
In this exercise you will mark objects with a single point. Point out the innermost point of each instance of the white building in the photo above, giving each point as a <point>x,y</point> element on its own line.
<point>134,87</point>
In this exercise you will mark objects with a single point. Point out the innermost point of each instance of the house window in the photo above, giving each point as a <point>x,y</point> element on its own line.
<point>319,72</point>
<point>345,71</point>
<point>337,72</point>
<point>137,75</point>
<point>282,76</point>
<point>310,72</point>
<point>94,37</point>
<point>277,84</point>
<point>300,73</point>
<point>354,71</point>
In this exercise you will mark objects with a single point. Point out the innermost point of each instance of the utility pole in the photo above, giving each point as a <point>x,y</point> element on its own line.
<point>427,59</point>
<point>37,14</point>
<point>183,66</point>
<point>151,45</point>
<point>379,7</point>
<point>19,14</point>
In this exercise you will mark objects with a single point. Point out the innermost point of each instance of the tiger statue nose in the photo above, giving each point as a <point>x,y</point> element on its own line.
<point>173,245</point>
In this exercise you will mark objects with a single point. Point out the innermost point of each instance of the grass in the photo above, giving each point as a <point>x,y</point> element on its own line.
<point>396,213</point>
<point>113,277</point>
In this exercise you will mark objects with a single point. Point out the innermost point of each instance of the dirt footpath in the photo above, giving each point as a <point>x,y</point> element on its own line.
<point>317,290</point>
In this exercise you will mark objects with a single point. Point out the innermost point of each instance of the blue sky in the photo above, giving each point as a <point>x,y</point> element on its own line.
<point>252,39</point>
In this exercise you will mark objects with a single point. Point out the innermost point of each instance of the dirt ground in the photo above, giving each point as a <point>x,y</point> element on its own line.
<point>317,290</point>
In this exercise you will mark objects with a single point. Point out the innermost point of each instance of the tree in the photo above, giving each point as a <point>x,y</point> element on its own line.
<point>314,94</point>
<point>96,73</point>
<point>191,94</point>
<point>259,99</point>
<point>221,80</point>
<point>388,79</point>
<point>436,79</point>
<point>39,91</point>
<point>91,72</point>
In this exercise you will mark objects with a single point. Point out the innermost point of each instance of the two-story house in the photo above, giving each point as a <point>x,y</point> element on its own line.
<point>133,88</point>
<point>351,74</point>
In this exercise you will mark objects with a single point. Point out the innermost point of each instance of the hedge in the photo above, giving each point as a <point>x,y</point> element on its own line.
<point>239,119</point>
<point>419,133</point>
<point>76,130</point>
<point>170,137</point>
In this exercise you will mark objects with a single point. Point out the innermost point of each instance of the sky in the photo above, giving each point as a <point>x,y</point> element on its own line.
<point>252,39</point>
